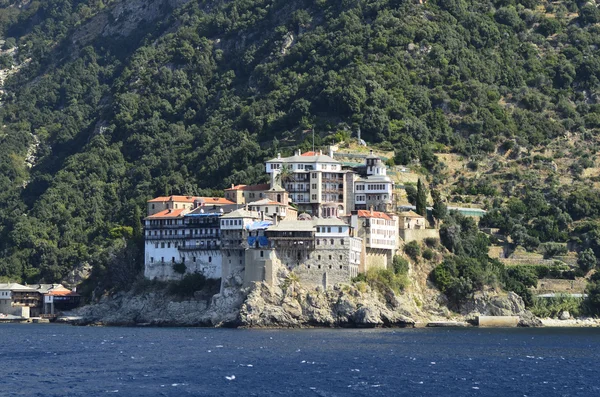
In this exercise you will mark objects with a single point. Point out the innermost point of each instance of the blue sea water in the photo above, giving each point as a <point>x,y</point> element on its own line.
<point>60,360</point>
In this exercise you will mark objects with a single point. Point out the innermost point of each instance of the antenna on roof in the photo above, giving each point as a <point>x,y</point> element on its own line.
<point>313,133</point>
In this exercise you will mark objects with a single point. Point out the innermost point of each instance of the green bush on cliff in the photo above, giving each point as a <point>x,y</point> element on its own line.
<point>383,280</point>
<point>191,283</point>
<point>471,269</point>
<point>552,307</point>
<point>413,250</point>
<point>400,265</point>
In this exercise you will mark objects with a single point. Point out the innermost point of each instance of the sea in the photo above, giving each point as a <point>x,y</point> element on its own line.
<point>63,360</point>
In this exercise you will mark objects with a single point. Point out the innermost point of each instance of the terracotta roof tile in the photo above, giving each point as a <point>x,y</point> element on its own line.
<point>213,200</point>
<point>65,292</point>
<point>373,214</point>
<point>168,214</point>
<point>184,199</point>
<point>249,188</point>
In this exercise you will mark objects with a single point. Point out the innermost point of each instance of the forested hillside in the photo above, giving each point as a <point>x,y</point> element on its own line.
<point>117,101</point>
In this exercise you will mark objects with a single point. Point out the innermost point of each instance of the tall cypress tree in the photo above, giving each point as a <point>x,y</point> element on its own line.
<point>440,210</point>
<point>421,199</point>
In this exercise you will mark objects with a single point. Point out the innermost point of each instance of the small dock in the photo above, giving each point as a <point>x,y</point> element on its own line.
<point>453,324</point>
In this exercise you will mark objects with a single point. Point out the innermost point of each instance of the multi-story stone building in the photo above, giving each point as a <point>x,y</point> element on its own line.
<point>373,189</point>
<point>235,229</point>
<point>321,252</point>
<point>316,183</point>
<point>379,235</point>
<point>242,194</point>
<point>160,204</point>
<point>164,232</point>
<point>201,248</point>
<point>179,241</point>
<point>274,209</point>
<point>19,300</point>
<point>319,185</point>
<point>412,220</point>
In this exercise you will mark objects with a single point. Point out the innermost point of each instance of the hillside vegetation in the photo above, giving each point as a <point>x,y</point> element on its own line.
<point>119,101</point>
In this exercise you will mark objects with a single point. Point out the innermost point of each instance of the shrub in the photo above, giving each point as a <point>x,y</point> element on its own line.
<point>428,254</point>
<point>586,260</point>
<point>412,249</point>
<point>400,265</point>
<point>550,250</point>
<point>383,279</point>
<point>179,268</point>
<point>191,283</point>
<point>432,242</point>
<point>552,307</point>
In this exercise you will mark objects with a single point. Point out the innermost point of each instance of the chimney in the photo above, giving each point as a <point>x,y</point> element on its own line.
<point>371,210</point>
<point>371,152</point>
<point>320,152</point>
<point>278,156</point>
<point>331,151</point>
<point>298,152</point>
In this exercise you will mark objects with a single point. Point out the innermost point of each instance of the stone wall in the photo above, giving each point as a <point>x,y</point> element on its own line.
<point>325,266</point>
<point>377,258</point>
<point>325,275</point>
<point>548,285</point>
<point>234,261</point>
<point>207,262</point>
<point>419,235</point>
<point>255,265</point>
<point>526,261</point>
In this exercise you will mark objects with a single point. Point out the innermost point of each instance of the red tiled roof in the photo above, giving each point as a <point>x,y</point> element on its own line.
<point>61,292</point>
<point>250,188</point>
<point>373,214</point>
<point>185,199</point>
<point>214,200</point>
<point>168,214</point>
<point>310,154</point>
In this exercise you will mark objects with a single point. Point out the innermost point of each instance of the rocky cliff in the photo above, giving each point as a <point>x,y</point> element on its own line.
<point>263,305</point>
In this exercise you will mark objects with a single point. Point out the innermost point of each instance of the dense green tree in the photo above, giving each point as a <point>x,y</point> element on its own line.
<point>586,260</point>
<point>440,209</point>
<point>196,98</point>
<point>421,201</point>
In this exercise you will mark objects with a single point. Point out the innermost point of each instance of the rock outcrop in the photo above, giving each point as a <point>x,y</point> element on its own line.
<point>289,304</point>
<point>160,309</point>
<point>342,306</point>
<point>492,303</point>
<point>261,305</point>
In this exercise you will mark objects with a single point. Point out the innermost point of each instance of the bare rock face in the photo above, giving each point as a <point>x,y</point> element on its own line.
<point>564,315</point>
<point>341,306</point>
<point>367,316</point>
<point>488,303</point>
<point>77,275</point>
<point>158,308</point>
